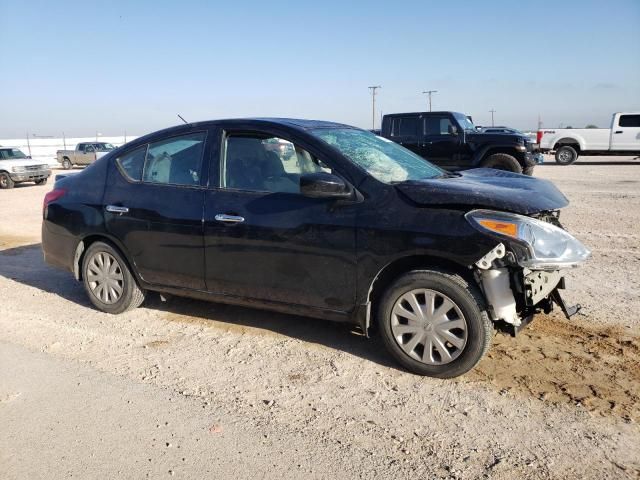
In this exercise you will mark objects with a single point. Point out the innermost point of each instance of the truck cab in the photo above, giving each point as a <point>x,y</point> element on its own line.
<point>450,140</point>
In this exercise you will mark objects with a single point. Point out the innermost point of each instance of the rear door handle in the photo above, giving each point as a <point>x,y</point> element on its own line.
<point>223,217</point>
<point>619,131</point>
<point>116,209</point>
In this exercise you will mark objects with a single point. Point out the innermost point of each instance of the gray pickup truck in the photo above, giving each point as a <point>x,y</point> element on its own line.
<point>84,154</point>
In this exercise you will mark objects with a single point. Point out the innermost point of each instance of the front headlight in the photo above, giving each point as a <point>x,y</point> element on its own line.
<point>536,244</point>
<point>18,169</point>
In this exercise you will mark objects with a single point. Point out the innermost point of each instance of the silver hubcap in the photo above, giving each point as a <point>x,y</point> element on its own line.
<point>429,327</point>
<point>565,156</point>
<point>105,277</point>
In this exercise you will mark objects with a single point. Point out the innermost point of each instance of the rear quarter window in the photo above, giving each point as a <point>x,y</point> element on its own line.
<point>131,163</point>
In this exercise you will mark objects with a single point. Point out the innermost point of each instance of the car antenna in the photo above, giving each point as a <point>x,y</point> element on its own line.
<point>180,116</point>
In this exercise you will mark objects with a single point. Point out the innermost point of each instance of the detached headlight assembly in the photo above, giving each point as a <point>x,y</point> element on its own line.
<point>537,245</point>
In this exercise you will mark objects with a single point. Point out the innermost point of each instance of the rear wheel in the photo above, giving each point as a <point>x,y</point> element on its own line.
<point>109,283</point>
<point>5,180</point>
<point>66,164</point>
<point>529,170</point>
<point>502,161</point>
<point>566,155</point>
<point>434,323</point>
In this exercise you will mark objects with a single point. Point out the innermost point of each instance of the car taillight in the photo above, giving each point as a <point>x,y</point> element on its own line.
<point>52,196</point>
<point>539,136</point>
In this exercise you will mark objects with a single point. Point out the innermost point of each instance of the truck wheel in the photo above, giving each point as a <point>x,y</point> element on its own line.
<point>566,155</point>
<point>528,170</point>
<point>434,323</point>
<point>108,281</point>
<point>42,181</point>
<point>66,164</point>
<point>5,180</point>
<point>502,161</point>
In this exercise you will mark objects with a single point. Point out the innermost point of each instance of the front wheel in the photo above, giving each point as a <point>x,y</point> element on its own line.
<point>5,180</point>
<point>502,161</point>
<point>434,323</point>
<point>566,155</point>
<point>109,284</point>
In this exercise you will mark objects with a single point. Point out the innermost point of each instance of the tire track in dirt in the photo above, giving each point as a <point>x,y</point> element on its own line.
<point>568,362</point>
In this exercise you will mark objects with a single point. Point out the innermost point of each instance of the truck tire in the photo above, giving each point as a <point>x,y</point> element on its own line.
<point>566,155</point>
<point>42,181</point>
<point>528,170</point>
<point>5,180</point>
<point>502,161</point>
<point>66,163</point>
<point>434,323</point>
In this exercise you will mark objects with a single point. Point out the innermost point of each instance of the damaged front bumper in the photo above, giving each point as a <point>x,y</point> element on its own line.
<point>515,294</point>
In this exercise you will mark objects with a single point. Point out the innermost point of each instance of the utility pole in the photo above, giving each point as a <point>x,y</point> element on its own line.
<point>28,144</point>
<point>373,105</point>
<point>429,93</point>
<point>492,112</point>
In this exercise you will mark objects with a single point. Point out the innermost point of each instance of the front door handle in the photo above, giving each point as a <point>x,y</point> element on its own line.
<point>116,209</point>
<point>618,131</point>
<point>223,217</point>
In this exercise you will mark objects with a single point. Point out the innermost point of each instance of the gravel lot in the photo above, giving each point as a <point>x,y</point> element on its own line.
<point>192,389</point>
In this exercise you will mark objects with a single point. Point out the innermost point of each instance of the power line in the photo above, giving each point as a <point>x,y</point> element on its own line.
<point>373,105</point>
<point>429,92</point>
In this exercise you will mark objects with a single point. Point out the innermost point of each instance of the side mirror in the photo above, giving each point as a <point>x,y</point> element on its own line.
<point>324,185</point>
<point>453,130</point>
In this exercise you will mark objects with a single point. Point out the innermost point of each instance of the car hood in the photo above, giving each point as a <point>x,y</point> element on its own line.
<point>487,188</point>
<point>22,162</point>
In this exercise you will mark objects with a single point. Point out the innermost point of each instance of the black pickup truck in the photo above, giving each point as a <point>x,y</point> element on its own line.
<point>450,140</point>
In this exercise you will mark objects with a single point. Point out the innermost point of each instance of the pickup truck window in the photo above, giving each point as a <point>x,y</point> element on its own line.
<point>629,121</point>
<point>383,159</point>
<point>437,125</point>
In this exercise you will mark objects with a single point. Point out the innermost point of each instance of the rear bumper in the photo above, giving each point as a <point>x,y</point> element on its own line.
<point>30,175</point>
<point>58,248</point>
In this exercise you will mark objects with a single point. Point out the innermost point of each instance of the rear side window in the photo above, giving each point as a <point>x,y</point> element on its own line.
<point>131,163</point>
<point>408,126</point>
<point>629,121</point>
<point>176,160</point>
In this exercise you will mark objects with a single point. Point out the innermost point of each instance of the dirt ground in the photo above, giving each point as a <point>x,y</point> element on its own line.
<point>195,390</point>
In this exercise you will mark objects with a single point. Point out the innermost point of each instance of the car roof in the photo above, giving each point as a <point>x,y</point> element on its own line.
<point>423,113</point>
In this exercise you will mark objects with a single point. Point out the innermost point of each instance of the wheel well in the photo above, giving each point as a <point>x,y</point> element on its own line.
<point>399,267</point>
<point>84,245</point>
<point>567,142</point>
<point>506,150</point>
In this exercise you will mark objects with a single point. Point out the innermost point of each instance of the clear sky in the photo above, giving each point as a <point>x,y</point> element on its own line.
<point>84,66</point>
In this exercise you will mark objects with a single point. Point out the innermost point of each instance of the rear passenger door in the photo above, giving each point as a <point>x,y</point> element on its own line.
<point>626,135</point>
<point>405,131</point>
<point>153,207</point>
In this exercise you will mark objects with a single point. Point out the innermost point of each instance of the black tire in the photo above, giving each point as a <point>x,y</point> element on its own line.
<point>566,155</point>
<point>5,181</point>
<point>132,295</point>
<point>66,163</point>
<point>465,296</point>
<point>529,170</point>
<point>502,161</point>
<point>42,181</point>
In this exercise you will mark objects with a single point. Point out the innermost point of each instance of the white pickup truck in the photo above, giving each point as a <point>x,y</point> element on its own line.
<point>84,154</point>
<point>16,167</point>
<point>623,138</point>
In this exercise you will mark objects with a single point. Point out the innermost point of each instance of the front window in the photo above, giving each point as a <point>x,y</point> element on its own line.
<point>12,154</point>
<point>103,147</point>
<point>383,159</point>
<point>266,164</point>
<point>464,121</point>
